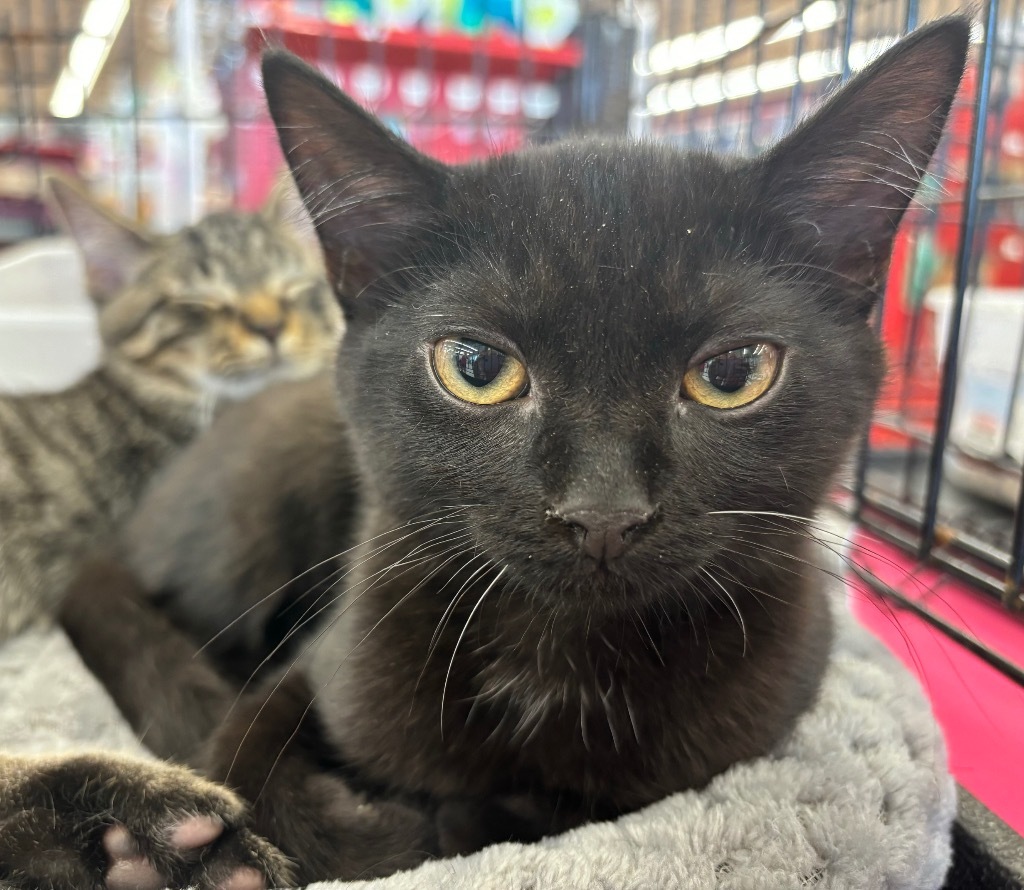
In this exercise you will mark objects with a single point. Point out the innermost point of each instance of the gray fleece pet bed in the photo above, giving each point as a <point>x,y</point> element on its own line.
<point>859,798</point>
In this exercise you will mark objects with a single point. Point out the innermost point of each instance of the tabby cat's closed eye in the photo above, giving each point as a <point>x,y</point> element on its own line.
<point>477,372</point>
<point>733,378</point>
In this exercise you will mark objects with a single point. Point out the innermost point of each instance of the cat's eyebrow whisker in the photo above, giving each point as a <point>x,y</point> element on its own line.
<point>469,619</point>
<point>385,275</point>
<point>811,267</point>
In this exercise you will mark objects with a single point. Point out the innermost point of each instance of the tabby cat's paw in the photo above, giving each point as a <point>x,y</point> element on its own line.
<point>104,823</point>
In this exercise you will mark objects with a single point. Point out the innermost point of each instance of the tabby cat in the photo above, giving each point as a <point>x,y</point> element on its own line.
<point>219,309</point>
<point>579,387</point>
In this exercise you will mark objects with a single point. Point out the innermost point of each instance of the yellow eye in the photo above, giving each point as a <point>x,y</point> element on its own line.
<point>734,378</point>
<point>478,373</point>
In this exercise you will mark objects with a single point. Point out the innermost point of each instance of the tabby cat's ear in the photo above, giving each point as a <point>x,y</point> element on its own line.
<point>846,175</point>
<point>113,248</point>
<point>369,193</point>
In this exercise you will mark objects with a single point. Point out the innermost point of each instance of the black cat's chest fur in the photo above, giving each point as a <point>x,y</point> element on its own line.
<point>618,712</point>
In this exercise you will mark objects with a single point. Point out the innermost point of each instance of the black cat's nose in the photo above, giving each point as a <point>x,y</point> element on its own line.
<point>603,534</point>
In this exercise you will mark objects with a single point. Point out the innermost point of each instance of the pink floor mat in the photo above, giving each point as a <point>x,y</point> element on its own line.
<point>980,709</point>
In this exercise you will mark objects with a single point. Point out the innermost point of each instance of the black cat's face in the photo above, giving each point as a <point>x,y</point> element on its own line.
<point>598,355</point>
<point>594,390</point>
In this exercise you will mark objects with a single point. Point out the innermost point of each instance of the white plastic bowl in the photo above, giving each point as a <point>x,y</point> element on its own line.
<point>48,333</point>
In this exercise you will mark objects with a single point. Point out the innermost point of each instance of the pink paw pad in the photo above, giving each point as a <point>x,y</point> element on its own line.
<point>244,878</point>
<point>195,831</point>
<point>129,869</point>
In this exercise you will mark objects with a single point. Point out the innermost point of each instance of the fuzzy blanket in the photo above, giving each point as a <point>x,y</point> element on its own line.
<point>859,798</point>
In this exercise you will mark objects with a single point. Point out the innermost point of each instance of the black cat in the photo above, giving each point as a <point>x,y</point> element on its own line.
<point>581,389</point>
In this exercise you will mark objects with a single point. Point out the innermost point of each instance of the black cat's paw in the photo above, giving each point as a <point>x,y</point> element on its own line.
<point>108,823</point>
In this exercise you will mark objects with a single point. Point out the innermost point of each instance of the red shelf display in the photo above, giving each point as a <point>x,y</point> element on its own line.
<point>446,50</point>
<point>456,96</point>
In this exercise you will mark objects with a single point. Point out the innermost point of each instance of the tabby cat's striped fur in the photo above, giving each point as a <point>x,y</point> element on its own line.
<point>220,308</point>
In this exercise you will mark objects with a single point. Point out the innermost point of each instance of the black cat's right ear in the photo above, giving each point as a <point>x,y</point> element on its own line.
<point>113,247</point>
<point>846,175</point>
<point>369,193</point>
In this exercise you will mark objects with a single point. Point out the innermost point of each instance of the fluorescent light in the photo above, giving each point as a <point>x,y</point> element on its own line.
<point>778,74</point>
<point>819,15</point>
<point>793,28</point>
<point>101,23</point>
<point>684,51</point>
<point>103,18</point>
<point>86,58</point>
<point>739,83</point>
<point>68,97</point>
<point>707,89</point>
<point>743,32</point>
<point>657,100</point>
<point>690,50</point>
<point>710,44</point>
<point>818,64</point>
<point>863,51</point>
<point>660,57</point>
<point>680,97</point>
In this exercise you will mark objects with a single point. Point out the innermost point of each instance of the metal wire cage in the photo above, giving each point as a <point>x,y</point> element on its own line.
<point>158,103</point>
<point>939,473</point>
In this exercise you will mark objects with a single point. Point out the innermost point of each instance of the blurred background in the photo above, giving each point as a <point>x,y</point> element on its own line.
<point>157,106</point>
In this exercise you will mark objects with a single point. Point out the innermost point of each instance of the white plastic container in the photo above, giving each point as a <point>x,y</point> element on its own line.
<point>48,333</point>
<point>988,416</point>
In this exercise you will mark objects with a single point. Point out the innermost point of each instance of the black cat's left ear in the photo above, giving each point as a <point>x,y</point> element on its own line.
<point>846,175</point>
<point>369,193</point>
